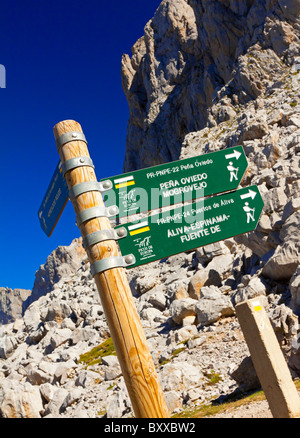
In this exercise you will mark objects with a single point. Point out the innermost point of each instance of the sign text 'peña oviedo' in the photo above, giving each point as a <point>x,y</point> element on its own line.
<point>192,225</point>
<point>176,182</point>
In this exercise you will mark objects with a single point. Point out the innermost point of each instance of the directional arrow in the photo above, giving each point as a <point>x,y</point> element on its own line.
<point>175,182</point>
<point>251,194</point>
<point>235,155</point>
<point>184,228</point>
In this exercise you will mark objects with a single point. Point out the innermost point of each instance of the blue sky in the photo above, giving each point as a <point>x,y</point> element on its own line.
<point>62,61</point>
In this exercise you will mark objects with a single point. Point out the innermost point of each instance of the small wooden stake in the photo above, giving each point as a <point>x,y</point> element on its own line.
<point>123,321</point>
<point>268,360</point>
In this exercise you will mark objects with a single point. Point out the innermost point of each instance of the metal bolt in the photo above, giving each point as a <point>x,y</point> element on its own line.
<point>82,160</point>
<point>113,210</point>
<point>121,232</point>
<point>106,184</point>
<point>74,135</point>
<point>129,259</point>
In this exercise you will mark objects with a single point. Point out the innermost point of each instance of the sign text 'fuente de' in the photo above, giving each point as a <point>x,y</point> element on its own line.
<point>192,225</point>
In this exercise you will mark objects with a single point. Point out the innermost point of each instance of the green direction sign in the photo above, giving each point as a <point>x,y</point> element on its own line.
<point>54,201</point>
<point>193,225</point>
<point>176,182</point>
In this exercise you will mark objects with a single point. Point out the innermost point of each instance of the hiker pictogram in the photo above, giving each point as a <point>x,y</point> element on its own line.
<point>250,212</point>
<point>233,171</point>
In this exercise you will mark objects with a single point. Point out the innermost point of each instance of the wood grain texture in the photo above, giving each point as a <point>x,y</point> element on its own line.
<point>123,321</point>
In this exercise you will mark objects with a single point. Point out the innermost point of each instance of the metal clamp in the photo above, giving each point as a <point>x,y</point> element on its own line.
<point>87,186</point>
<point>79,189</point>
<point>70,136</point>
<point>102,235</point>
<point>94,212</point>
<point>73,163</point>
<point>112,262</point>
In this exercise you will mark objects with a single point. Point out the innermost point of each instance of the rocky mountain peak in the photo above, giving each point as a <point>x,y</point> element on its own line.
<point>195,54</point>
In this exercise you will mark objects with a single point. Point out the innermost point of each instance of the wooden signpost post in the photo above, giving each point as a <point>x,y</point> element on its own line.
<point>124,324</point>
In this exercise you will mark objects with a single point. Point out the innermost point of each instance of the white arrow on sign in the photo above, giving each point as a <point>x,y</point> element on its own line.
<point>235,154</point>
<point>251,194</point>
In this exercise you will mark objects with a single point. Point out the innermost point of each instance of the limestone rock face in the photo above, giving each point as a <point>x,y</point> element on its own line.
<point>193,53</point>
<point>61,262</point>
<point>12,302</point>
<point>20,401</point>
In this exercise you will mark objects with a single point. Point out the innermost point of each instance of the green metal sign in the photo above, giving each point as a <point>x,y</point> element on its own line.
<point>176,182</point>
<point>193,225</point>
<point>54,201</point>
